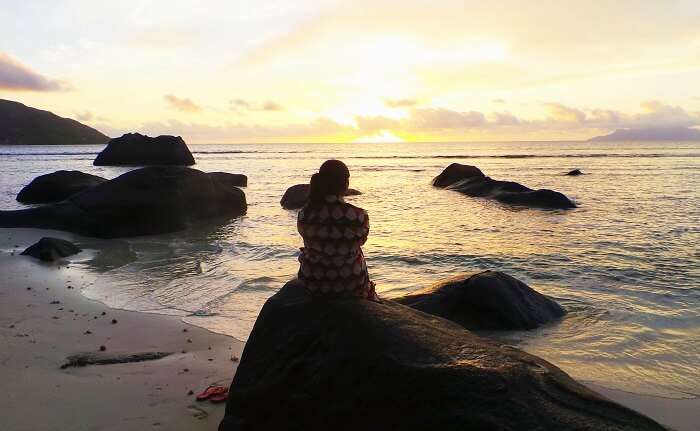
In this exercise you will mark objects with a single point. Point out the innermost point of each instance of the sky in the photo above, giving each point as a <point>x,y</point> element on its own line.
<point>356,71</point>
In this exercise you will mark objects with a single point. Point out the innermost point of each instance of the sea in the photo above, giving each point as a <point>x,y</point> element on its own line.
<point>625,263</point>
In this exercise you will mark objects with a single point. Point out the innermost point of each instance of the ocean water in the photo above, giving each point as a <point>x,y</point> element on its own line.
<point>626,263</point>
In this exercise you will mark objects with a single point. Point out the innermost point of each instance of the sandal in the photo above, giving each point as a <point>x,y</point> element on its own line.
<point>211,391</point>
<point>219,398</point>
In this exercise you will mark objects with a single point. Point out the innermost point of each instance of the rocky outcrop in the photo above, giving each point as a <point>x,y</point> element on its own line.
<point>320,364</point>
<point>144,201</point>
<point>57,186</point>
<point>135,149</point>
<point>487,300</point>
<point>51,249</point>
<point>296,196</point>
<point>574,173</point>
<point>23,125</point>
<point>234,180</point>
<point>470,181</point>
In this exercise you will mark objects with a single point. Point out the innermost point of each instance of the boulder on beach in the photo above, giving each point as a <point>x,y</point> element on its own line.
<point>57,186</point>
<point>296,196</point>
<point>135,149</point>
<point>50,249</point>
<point>574,173</point>
<point>146,201</point>
<point>470,181</point>
<point>234,180</point>
<point>344,364</point>
<point>486,300</point>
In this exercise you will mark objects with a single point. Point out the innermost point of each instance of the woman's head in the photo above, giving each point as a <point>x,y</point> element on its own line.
<point>333,178</point>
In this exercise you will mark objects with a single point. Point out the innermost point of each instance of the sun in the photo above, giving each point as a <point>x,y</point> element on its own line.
<point>382,137</point>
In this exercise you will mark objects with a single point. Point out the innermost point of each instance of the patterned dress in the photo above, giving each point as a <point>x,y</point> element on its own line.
<point>331,261</point>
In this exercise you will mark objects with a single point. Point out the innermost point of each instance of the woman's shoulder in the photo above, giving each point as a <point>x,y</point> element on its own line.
<point>340,211</point>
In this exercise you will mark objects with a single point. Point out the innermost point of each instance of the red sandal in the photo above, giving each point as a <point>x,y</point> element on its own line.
<point>212,391</point>
<point>219,398</point>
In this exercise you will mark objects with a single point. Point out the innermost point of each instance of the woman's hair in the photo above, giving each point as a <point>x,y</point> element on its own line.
<point>331,179</point>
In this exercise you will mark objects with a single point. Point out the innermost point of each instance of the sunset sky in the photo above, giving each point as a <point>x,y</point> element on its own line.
<point>322,70</point>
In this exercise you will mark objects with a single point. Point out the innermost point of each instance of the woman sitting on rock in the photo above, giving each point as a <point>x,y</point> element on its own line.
<point>332,263</point>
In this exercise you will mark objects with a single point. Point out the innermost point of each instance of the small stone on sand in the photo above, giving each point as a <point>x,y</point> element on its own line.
<point>104,313</point>
<point>189,341</point>
<point>103,348</point>
<point>114,321</point>
<point>190,392</point>
<point>88,332</point>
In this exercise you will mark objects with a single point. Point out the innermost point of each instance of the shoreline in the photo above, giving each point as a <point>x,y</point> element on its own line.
<point>36,336</point>
<point>37,333</point>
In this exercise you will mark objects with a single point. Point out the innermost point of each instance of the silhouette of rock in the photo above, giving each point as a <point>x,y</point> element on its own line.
<point>320,364</point>
<point>470,181</point>
<point>235,180</point>
<point>57,186</point>
<point>456,172</point>
<point>50,249</point>
<point>22,125</point>
<point>144,201</point>
<point>487,300</point>
<point>574,173</point>
<point>135,149</point>
<point>296,196</point>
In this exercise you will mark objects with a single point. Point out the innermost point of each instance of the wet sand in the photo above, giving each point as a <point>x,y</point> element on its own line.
<point>42,321</point>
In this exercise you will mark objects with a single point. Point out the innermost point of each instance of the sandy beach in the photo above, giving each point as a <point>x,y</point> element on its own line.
<point>43,320</point>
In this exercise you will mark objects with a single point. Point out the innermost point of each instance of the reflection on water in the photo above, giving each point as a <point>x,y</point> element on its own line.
<point>625,264</point>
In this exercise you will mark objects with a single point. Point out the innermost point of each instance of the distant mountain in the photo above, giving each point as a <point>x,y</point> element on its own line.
<point>22,125</point>
<point>651,134</point>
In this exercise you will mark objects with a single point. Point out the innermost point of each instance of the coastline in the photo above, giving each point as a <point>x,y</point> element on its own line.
<point>141,395</point>
<point>36,336</point>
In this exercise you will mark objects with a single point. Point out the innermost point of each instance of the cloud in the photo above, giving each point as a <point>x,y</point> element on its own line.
<point>85,116</point>
<point>244,105</point>
<point>560,112</point>
<point>499,101</point>
<point>182,104</point>
<point>441,118</point>
<point>18,77</point>
<point>400,103</point>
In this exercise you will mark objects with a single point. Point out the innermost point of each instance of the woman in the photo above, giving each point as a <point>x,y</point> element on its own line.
<point>331,260</point>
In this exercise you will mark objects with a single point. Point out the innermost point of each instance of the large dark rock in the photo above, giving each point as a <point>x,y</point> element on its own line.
<point>470,181</point>
<point>296,196</point>
<point>487,300</point>
<point>51,249</point>
<point>57,186</point>
<point>135,149</point>
<point>144,201</point>
<point>574,173</point>
<point>334,364</point>
<point>234,180</point>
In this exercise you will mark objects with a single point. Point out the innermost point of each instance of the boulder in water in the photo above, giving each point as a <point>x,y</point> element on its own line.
<point>470,181</point>
<point>50,249</point>
<point>234,180</point>
<point>296,196</point>
<point>57,186</point>
<point>135,149</point>
<point>574,173</point>
<point>146,201</point>
<point>344,364</point>
<point>487,300</point>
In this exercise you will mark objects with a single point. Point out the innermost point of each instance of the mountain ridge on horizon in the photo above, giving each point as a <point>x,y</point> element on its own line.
<point>23,125</point>
<point>650,134</point>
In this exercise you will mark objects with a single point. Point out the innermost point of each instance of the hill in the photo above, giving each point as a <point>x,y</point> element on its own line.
<point>23,125</point>
<point>651,134</point>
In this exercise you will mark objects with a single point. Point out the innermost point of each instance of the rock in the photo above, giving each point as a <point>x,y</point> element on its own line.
<point>574,173</point>
<point>51,249</point>
<point>296,196</point>
<point>85,359</point>
<point>456,172</point>
<point>470,181</point>
<point>487,300</point>
<point>319,364</point>
<point>234,180</point>
<point>146,201</point>
<point>135,149</point>
<point>57,186</point>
